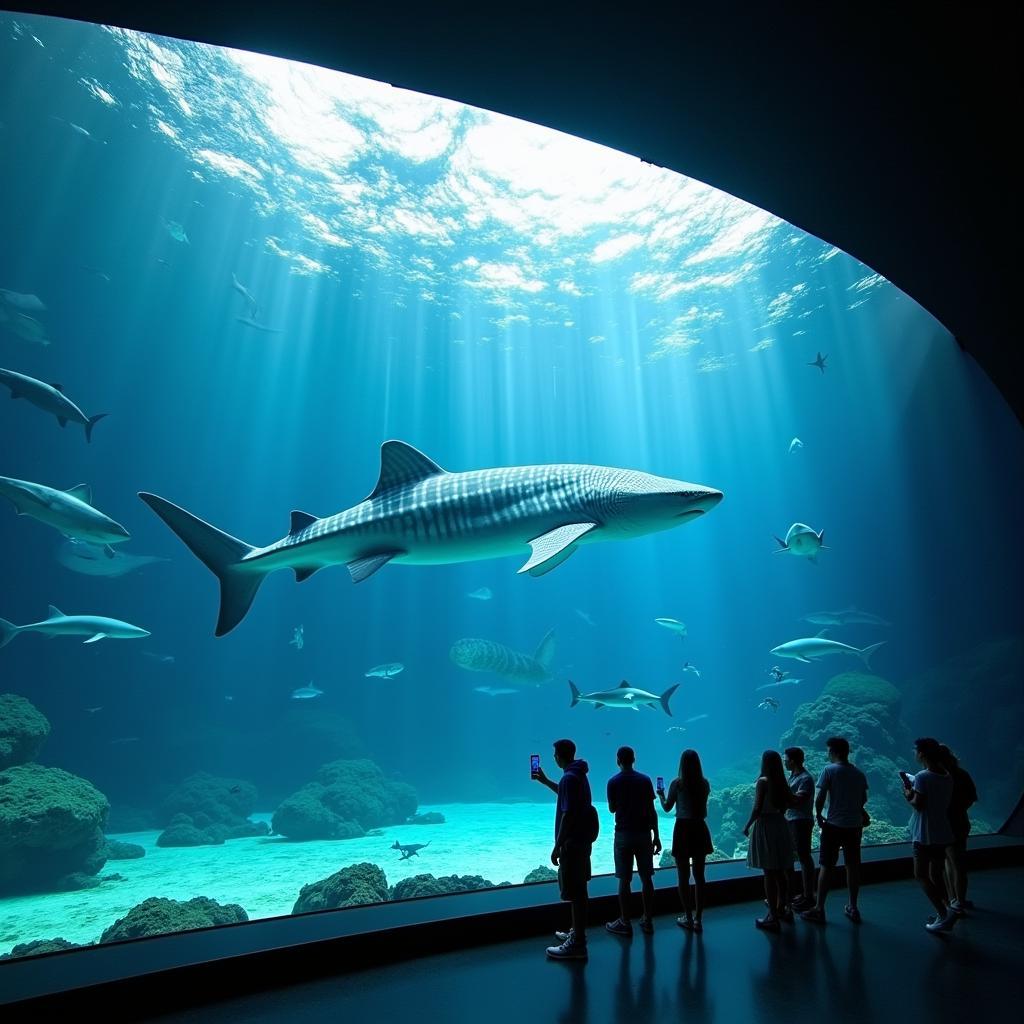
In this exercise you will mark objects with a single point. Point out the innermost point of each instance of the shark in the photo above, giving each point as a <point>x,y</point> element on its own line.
<point>254,306</point>
<point>412,850</point>
<point>673,626</point>
<point>819,362</point>
<point>778,684</point>
<point>95,627</point>
<point>812,648</point>
<point>71,512</point>
<point>476,655</point>
<point>420,514</point>
<point>795,445</point>
<point>257,326</point>
<point>623,696</point>
<point>94,560</point>
<point>26,303</point>
<point>50,398</point>
<point>306,692</point>
<point>802,541</point>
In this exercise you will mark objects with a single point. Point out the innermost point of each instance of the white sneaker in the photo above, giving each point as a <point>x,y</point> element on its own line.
<point>941,924</point>
<point>565,936</point>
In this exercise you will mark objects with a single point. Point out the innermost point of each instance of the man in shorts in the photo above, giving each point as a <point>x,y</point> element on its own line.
<point>571,852</point>
<point>631,800</point>
<point>846,788</point>
<point>800,819</point>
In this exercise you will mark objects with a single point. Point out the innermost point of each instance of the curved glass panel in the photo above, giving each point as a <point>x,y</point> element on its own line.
<point>231,279</point>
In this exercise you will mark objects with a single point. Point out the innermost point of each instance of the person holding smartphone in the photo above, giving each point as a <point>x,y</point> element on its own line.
<point>688,793</point>
<point>571,852</point>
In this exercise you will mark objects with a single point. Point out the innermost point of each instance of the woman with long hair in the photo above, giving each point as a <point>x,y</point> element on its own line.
<point>771,845</point>
<point>688,793</point>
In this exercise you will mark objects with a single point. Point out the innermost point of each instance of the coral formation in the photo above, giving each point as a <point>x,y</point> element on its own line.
<point>349,887</point>
<point>157,916</point>
<point>23,730</point>
<point>117,850</point>
<point>51,826</point>
<point>206,810</point>
<point>426,818</point>
<point>39,946</point>
<point>541,874</point>
<point>428,885</point>
<point>346,799</point>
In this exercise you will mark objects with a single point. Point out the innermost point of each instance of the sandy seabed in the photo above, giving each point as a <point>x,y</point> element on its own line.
<point>502,842</point>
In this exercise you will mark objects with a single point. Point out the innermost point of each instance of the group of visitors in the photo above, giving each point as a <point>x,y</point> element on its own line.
<point>779,829</point>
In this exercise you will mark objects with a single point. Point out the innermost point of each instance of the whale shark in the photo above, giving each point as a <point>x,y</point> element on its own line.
<point>476,655</point>
<point>70,511</point>
<point>419,514</point>
<point>623,696</point>
<point>50,398</point>
<point>95,627</point>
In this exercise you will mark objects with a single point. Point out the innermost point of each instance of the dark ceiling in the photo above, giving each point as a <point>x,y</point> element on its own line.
<point>889,136</point>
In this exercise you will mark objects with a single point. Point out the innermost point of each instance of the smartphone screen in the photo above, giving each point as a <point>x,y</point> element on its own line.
<point>661,784</point>
<point>534,764</point>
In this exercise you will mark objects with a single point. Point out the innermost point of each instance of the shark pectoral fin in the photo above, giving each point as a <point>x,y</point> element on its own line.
<point>93,639</point>
<point>15,394</point>
<point>554,547</point>
<point>597,705</point>
<point>300,520</point>
<point>109,551</point>
<point>83,492</point>
<point>62,420</point>
<point>301,575</point>
<point>783,546</point>
<point>806,661</point>
<point>400,465</point>
<point>545,650</point>
<point>363,568</point>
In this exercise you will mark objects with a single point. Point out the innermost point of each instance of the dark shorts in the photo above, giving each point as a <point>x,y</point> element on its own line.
<point>834,839</point>
<point>630,846</point>
<point>574,870</point>
<point>929,855</point>
<point>691,840</point>
<point>801,829</point>
<point>957,850</point>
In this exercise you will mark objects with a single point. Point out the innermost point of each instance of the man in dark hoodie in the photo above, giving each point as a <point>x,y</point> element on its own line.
<point>571,852</point>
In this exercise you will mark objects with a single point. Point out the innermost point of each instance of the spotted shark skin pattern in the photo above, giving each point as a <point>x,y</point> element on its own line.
<point>478,655</point>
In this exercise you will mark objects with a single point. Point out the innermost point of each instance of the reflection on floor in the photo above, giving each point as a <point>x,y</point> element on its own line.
<point>886,969</point>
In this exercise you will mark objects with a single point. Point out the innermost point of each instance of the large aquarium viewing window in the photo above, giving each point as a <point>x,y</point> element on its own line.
<point>546,442</point>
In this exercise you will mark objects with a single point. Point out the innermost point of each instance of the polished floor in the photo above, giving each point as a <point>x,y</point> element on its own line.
<point>888,968</point>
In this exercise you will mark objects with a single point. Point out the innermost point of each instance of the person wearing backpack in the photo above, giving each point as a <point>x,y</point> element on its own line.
<point>631,800</point>
<point>576,828</point>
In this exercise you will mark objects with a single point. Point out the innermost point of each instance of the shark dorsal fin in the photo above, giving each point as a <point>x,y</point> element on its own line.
<point>57,387</point>
<point>545,650</point>
<point>54,612</point>
<point>624,685</point>
<point>300,520</point>
<point>401,464</point>
<point>83,492</point>
<point>821,632</point>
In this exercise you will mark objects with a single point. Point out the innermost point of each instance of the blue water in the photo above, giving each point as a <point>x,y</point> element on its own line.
<point>463,302</point>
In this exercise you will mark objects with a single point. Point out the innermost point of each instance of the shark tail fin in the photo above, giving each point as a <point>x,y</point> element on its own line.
<point>868,651</point>
<point>92,421</point>
<point>8,631</point>
<point>220,553</point>
<point>573,689</point>
<point>546,650</point>
<point>665,697</point>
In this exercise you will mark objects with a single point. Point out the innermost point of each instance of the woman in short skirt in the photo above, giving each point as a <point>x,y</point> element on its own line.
<point>691,841</point>
<point>771,845</point>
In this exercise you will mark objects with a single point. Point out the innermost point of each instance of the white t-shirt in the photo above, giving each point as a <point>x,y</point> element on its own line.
<point>847,789</point>
<point>929,825</point>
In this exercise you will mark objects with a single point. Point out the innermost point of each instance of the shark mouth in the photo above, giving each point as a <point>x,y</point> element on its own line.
<point>691,513</point>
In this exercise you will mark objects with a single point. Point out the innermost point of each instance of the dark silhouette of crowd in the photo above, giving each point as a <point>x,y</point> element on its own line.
<point>779,829</point>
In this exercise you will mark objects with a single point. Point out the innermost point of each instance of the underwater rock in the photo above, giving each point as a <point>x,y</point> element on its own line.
<point>666,860</point>
<point>974,702</point>
<point>157,916</point>
<point>76,881</point>
<point>728,810</point>
<point>347,798</point>
<point>541,874</point>
<point>428,885</point>
<point>862,688</point>
<point>38,946</point>
<point>116,850</point>
<point>427,818</point>
<point>210,799</point>
<point>350,887</point>
<point>23,730</point>
<point>51,826</point>
<point>248,829</point>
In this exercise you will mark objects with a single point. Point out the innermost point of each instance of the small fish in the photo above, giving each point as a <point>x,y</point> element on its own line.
<point>493,691</point>
<point>676,728</point>
<point>235,789</point>
<point>306,692</point>
<point>802,541</point>
<point>250,322</point>
<point>778,683</point>
<point>176,231</point>
<point>673,625</point>
<point>778,674</point>
<point>92,711</point>
<point>795,444</point>
<point>687,667</point>
<point>164,659</point>
<point>696,718</point>
<point>481,594</point>
<point>228,697</point>
<point>585,617</point>
<point>298,640</point>
<point>769,704</point>
<point>824,618</point>
<point>96,272</point>
<point>386,671</point>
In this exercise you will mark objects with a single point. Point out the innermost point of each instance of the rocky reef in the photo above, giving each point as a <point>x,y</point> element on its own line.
<point>346,799</point>
<point>541,874</point>
<point>157,916</point>
<point>39,946</point>
<point>206,810</point>
<point>349,887</point>
<point>23,730</point>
